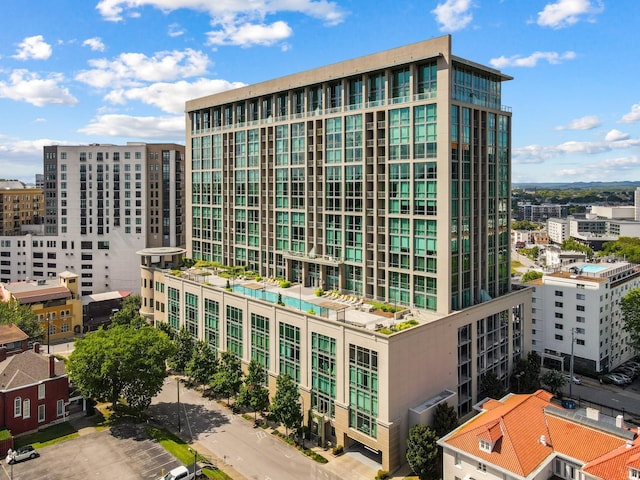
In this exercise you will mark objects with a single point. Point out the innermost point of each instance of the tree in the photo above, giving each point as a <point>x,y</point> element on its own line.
<point>167,329</point>
<point>184,350</point>
<point>228,379</point>
<point>129,313</point>
<point>524,225</point>
<point>554,380</point>
<point>285,405</point>
<point>532,275</point>
<point>445,419</point>
<point>492,386</point>
<point>571,244</point>
<point>122,361</point>
<point>253,393</point>
<point>22,317</point>
<point>526,374</point>
<point>422,452</point>
<point>630,307</point>
<point>203,364</point>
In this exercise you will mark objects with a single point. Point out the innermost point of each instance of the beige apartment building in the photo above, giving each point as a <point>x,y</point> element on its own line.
<point>385,178</point>
<point>19,205</point>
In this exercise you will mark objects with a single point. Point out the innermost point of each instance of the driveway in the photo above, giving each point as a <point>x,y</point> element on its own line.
<point>123,452</point>
<point>252,452</point>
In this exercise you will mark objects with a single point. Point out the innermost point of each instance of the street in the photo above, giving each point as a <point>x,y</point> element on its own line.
<point>614,399</point>
<point>253,452</point>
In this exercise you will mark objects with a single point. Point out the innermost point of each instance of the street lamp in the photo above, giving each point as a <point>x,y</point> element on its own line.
<point>48,332</point>
<point>303,414</point>
<point>195,459</point>
<point>178,392</point>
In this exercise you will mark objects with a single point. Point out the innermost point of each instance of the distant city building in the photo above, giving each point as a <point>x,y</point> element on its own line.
<point>12,339</point>
<point>558,229</point>
<point>581,302</point>
<point>529,437</point>
<point>40,180</point>
<point>102,203</point>
<point>55,304</point>
<point>19,205</point>
<point>528,237</point>
<point>383,178</point>
<point>540,213</point>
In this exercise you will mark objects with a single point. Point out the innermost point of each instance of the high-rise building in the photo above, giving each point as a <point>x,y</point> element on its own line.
<point>385,177</point>
<point>102,203</point>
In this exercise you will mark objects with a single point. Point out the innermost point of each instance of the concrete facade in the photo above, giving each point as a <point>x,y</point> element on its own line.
<point>381,179</point>
<point>102,204</point>
<point>582,300</point>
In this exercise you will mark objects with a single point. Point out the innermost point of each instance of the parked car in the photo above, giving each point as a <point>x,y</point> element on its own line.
<point>624,371</point>
<point>23,453</point>
<point>625,378</point>
<point>576,380</point>
<point>182,473</point>
<point>632,365</point>
<point>613,378</point>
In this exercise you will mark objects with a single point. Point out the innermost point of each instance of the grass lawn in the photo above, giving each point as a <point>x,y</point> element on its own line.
<point>179,449</point>
<point>48,436</point>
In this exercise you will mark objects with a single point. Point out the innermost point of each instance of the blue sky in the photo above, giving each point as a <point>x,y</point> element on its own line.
<point>112,71</point>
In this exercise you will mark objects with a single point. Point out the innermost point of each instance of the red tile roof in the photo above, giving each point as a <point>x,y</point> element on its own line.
<point>532,430</point>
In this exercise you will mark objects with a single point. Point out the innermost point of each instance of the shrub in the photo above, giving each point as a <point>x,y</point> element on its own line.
<point>338,450</point>
<point>382,475</point>
<point>285,283</point>
<point>319,292</point>
<point>311,311</point>
<point>258,278</point>
<point>176,272</point>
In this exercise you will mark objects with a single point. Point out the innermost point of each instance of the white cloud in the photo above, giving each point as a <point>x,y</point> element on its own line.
<point>29,87</point>
<point>633,116</point>
<point>583,123</point>
<point>616,136</point>
<point>453,15</point>
<point>171,97</point>
<point>613,140</point>
<point>40,120</point>
<point>133,68</point>
<point>94,44</point>
<point>23,158</point>
<point>532,60</point>
<point>250,34</point>
<point>564,13</point>
<point>175,30</point>
<point>131,127</point>
<point>230,11</point>
<point>34,48</point>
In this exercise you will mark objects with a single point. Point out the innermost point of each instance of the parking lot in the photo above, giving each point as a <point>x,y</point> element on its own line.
<point>123,452</point>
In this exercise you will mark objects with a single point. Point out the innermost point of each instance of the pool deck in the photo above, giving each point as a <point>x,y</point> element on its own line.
<point>354,312</point>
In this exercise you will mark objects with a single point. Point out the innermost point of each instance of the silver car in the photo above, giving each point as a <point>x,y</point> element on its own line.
<point>23,453</point>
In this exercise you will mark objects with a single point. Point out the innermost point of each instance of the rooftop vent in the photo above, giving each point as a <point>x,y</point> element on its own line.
<point>543,440</point>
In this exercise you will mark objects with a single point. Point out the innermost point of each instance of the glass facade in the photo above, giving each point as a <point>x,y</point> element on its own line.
<point>260,340</point>
<point>290,351</point>
<point>234,330</point>
<point>363,389</point>
<point>323,374</point>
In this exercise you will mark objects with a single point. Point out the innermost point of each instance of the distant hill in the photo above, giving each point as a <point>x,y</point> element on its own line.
<point>578,186</point>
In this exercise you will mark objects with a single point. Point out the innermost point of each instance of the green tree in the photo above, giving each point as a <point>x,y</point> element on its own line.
<point>422,452</point>
<point>129,313</point>
<point>532,275</point>
<point>285,405</point>
<point>625,247</point>
<point>492,386</point>
<point>526,374</point>
<point>524,225</point>
<point>203,364</point>
<point>228,379</point>
<point>122,361</point>
<point>554,380</point>
<point>184,350</point>
<point>571,244</point>
<point>630,307</point>
<point>445,419</point>
<point>167,329</point>
<point>253,394</point>
<point>22,317</point>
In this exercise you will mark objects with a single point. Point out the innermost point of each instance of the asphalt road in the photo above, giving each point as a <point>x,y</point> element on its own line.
<point>611,400</point>
<point>253,452</point>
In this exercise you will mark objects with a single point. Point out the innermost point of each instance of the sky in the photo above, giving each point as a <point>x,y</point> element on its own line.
<point>110,71</point>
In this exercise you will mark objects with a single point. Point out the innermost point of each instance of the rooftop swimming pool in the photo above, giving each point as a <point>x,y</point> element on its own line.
<point>288,301</point>
<point>592,268</point>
